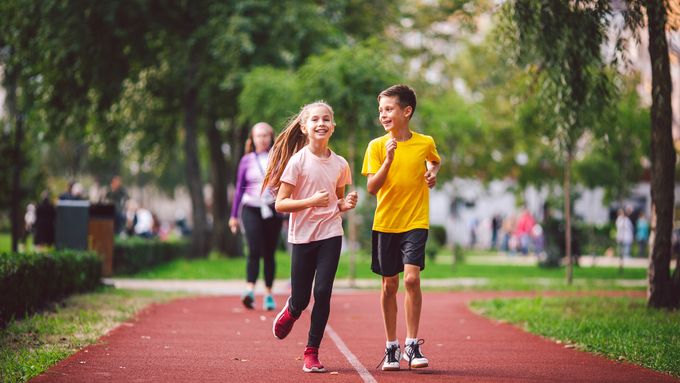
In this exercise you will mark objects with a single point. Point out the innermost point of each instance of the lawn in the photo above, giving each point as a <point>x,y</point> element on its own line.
<point>505,277</point>
<point>31,345</point>
<point>620,328</point>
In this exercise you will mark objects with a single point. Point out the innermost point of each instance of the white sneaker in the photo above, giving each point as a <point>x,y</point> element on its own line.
<point>391,359</point>
<point>414,356</point>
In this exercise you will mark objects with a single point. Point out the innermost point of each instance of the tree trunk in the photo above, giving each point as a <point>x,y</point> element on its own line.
<point>15,199</point>
<point>567,217</point>
<point>221,174</point>
<point>200,235</point>
<point>15,209</point>
<point>663,290</point>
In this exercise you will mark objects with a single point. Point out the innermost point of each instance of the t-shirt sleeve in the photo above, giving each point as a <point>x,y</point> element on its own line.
<point>432,154</point>
<point>345,176</point>
<point>372,161</point>
<point>291,171</point>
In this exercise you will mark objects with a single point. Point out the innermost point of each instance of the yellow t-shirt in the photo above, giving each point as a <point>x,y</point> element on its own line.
<point>404,198</point>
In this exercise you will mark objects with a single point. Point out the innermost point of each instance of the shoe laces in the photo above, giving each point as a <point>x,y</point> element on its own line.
<point>413,351</point>
<point>390,355</point>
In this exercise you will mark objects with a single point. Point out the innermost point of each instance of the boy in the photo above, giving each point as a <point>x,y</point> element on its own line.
<point>400,166</point>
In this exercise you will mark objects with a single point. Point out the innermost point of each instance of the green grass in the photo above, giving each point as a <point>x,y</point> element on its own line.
<point>5,242</point>
<point>505,277</point>
<point>30,346</point>
<point>619,328</point>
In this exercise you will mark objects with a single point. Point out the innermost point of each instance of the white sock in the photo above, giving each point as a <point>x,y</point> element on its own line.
<point>411,341</point>
<point>391,343</point>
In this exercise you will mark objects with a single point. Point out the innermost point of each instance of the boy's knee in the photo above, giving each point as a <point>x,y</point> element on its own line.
<point>390,286</point>
<point>411,281</point>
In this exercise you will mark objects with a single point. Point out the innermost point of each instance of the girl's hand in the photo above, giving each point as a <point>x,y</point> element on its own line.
<point>349,202</point>
<point>233,225</point>
<point>319,199</point>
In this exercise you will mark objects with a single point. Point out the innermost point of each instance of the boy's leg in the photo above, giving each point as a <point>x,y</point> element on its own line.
<point>413,301</point>
<point>387,262</point>
<point>328,257</point>
<point>388,303</point>
<point>413,250</point>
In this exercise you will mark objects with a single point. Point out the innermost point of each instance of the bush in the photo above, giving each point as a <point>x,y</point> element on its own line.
<point>29,281</point>
<point>136,254</point>
<point>436,239</point>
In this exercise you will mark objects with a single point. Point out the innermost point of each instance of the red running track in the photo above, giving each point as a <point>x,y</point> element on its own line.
<point>213,339</point>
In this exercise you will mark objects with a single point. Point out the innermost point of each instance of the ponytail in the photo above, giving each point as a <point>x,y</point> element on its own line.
<point>289,142</point>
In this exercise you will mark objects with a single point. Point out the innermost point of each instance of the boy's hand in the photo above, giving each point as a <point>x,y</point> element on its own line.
<point>319,199</point>
<point>431,178</point>
<point>350,201</point>
<point>390,147</point>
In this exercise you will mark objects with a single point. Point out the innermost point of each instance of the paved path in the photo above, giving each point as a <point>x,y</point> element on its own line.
<point>213,339</point>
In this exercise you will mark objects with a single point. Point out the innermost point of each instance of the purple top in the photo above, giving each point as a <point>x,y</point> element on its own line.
<point>249,181</point>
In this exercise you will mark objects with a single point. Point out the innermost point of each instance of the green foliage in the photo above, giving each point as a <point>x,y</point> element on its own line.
<point>29,281</point>
<point>135,254</point>
<point>619,147</point>
<point>270,95</point>
<point>618,328</point>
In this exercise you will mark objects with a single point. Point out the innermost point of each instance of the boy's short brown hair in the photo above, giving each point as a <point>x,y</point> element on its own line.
<point>405,94</point>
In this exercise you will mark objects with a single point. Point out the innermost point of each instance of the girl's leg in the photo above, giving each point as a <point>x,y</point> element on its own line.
<point>302,268</point>
<point>253,225</point>
<point>328,256</point>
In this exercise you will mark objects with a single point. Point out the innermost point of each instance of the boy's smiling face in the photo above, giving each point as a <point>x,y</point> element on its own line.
<point>392,116</point>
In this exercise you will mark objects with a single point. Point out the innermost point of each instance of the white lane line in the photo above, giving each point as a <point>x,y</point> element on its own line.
<point>353,360</point>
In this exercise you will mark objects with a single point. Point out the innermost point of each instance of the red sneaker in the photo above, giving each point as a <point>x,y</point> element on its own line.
<point>312,363</point>
<point>283,322</point>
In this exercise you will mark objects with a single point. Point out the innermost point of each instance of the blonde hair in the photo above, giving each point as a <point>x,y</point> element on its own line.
<point>289,142</point>
<point>250,146</point>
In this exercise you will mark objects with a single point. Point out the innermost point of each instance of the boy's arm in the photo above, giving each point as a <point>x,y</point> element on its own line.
<point>431,174</point>
<point>376,181</point>
<point>285,204</point>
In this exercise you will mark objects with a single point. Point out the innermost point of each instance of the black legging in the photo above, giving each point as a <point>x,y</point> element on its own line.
<point>320,258</point>
<point>262,236</point>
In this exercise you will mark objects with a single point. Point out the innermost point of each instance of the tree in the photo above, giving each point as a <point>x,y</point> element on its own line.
<point>563,40</point>
<point>664,288</point>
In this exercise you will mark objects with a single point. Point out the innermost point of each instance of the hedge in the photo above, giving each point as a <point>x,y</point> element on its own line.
<point>135,254</point>
<point>29,281</point>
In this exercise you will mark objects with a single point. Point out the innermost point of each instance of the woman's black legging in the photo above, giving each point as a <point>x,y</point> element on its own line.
<point>262,236</point>
<point>318,258</point>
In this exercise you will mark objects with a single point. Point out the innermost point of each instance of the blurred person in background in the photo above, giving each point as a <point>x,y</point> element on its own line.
<point>253,210</point>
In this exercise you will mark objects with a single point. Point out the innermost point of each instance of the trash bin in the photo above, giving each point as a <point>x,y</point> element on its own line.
<point>71,225</point>
<point>101,233</point>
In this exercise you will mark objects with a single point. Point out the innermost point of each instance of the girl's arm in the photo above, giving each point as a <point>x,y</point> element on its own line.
<point>348,203</point>
<point>285,204</point>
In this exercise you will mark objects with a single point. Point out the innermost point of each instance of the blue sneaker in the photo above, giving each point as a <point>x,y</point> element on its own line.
<point>269,303</point>
<point>248,299</point>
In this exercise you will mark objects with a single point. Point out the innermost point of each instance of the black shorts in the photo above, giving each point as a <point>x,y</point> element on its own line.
<point>391,251</point>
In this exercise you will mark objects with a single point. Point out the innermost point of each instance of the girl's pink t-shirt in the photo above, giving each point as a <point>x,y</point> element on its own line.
<point>309,174</point>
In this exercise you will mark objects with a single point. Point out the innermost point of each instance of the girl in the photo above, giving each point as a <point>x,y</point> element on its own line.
<point>261,225</point>
<point>311,180</point>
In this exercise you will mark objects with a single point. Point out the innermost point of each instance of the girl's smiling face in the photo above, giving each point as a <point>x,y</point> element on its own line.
<point>318,123</point>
